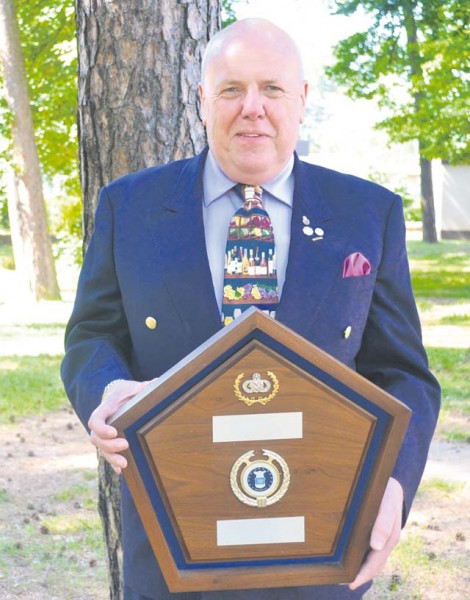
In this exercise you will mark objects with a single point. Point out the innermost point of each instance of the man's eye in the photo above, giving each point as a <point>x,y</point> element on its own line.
<point>230,91</point>
<point>273,90</point>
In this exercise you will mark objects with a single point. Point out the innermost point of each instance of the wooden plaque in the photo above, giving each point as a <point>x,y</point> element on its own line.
<point>260,461</point>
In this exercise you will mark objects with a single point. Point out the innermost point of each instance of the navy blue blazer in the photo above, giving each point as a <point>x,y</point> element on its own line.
<point>147,257</point>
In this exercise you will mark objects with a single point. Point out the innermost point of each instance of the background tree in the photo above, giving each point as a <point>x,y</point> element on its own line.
<point>28,220</point>
<point>139,67</point>
<point>48,38</point>
<point>415,60</point>
<point>48,32</point>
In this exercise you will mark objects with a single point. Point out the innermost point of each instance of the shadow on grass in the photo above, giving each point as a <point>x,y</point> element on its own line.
<point>440,270</point>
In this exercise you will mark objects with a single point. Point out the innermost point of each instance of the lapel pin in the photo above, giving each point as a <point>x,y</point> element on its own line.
<point>310,231</point>
<point>319,234</point>
<point>306,229</point>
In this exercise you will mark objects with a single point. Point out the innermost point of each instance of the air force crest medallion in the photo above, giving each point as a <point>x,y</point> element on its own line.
<point>260,482</point>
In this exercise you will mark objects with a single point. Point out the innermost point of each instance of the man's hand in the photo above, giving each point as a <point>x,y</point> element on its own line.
<point>104,436</point>
<point>385,533</point>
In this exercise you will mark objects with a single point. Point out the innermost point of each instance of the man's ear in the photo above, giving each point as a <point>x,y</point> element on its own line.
<point>303,99</point>
<point>202,98</point>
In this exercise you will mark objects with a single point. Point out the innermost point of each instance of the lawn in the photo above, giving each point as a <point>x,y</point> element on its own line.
<point>29,385</point>
<point>441,282</point>
<point>440,270</point>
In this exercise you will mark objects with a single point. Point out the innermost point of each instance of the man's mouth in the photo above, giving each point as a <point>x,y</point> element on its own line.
<point>251,135</point>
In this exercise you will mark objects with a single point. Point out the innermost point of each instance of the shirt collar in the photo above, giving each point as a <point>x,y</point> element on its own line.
<point>216,183</point>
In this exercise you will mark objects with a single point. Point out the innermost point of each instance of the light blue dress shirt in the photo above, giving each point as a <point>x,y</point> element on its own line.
<point>220,203</point>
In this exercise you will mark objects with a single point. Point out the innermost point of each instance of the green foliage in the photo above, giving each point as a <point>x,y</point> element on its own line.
<point>69,230</point>
<point>228,12</point>
<point>411,205</point>
<point>48,36</point>
<point>415,59</point>
<point>4,220</point>
<point>7,260</point>
<point>48,39</point>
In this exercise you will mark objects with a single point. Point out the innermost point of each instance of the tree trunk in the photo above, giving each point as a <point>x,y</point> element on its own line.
<point>415,61</point>
<point>28,220</point>
<point>139,67</point>
<point>427,202</point>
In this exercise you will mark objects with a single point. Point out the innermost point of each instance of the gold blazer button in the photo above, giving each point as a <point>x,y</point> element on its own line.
<point>151,322</point>
<point>347,332</point>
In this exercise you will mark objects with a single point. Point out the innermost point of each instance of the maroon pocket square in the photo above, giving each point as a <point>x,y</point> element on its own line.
<point>356,265</point>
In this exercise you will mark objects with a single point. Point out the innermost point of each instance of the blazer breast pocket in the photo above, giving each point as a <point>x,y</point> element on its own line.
<point>352,285</point>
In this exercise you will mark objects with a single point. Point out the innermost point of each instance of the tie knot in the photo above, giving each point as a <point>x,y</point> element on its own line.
<point>252,196</point>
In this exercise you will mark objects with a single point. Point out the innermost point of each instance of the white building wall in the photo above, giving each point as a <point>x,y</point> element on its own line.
<point>454,203</point>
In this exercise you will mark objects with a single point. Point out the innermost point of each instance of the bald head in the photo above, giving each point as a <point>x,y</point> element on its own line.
<point>241,32</point>
<point>253,99</point>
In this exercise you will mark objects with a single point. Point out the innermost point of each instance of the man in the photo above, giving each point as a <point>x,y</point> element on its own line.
<point>152,281</point>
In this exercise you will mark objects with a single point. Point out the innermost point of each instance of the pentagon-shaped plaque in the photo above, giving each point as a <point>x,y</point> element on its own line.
<point>260,461</point>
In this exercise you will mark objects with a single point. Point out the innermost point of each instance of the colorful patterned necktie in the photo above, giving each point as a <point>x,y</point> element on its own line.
<point>250,259</point>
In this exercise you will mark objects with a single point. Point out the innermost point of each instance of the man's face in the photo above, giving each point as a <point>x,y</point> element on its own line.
<point>253,100</point>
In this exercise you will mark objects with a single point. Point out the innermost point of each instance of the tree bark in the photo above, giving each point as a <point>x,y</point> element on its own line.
<point>427,202</point>
<point>28,220</point>
<point>415,61</point>
<point>138,77</point>
<point>139,68</point>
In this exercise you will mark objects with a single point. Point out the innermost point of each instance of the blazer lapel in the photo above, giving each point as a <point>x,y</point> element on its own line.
<point>312,257</point>
<point>178,231</point>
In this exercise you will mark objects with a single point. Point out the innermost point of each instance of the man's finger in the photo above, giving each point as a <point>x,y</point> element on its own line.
<point>385,534</point>
<point>374,563</point>
<point>97,421</point>
<point>387,516</point>
<point>110,445</point>
<point>376,559</point>
<point>117,461</point>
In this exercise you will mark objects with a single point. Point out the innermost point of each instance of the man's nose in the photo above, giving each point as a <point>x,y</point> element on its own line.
<point>253,104</point>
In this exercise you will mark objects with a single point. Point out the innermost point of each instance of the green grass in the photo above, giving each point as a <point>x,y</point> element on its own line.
<point>440,270</point>
<point>54,547</point>
<point>455,320</point>
<point>78,492</point>
<point>441,487</point>
<point>451,366</point>
<point>29,385</point>
<point>441,276</point>
<point>414,561</point>
<point>72,493</point>
<point>46,327</point>
<point>32,330</point>
<point>71,524</point>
